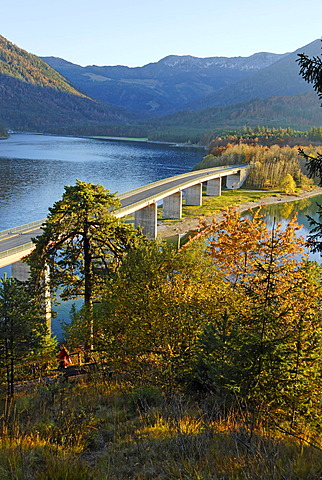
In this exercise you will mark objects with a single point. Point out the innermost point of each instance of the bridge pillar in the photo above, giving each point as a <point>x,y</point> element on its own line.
<point>20,271</point>
<point>214,187</point>
<point>235,181</point>
<point>147,219</point>
<point>194,195</point>
<point>172,206</point>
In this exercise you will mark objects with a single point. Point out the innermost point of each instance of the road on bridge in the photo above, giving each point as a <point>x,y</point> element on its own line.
<point>134,197</point>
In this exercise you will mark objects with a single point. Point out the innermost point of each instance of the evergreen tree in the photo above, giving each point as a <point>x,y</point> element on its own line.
<point>82,243</point>
<point>22,327</point>
<point>311,71</point>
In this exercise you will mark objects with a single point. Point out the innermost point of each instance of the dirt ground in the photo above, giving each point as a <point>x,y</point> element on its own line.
<point>190,223</point>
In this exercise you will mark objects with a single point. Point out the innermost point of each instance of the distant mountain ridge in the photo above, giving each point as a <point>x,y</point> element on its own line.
<point>257,61</point>
<point>281,78</point>
<point>61,97</point>
<point>162,87</point>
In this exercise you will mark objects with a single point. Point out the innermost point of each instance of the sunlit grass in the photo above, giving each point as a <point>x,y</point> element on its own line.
<point>109,430</point>
<point>228,198</point>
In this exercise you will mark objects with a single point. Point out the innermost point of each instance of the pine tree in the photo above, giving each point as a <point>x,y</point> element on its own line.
<point>82,243</point>
<point>311,71</point>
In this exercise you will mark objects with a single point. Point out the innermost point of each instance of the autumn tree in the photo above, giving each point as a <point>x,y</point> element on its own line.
<point>150,318</point>
<point>288,184</point>
<point>267,351</point>
<point>82,243</point>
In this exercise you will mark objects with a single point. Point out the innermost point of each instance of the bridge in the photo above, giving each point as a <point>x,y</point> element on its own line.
<point>15,243</point>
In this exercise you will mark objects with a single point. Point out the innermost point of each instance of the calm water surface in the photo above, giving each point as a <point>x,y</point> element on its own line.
<point>283,212</point>
<point>35,168</point>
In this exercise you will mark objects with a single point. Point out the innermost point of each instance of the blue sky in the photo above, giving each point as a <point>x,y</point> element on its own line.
<point>137,32</point>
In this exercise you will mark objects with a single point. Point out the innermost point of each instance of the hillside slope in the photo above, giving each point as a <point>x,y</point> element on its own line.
<point>33,96</point>
<point>24,66</point>
<point>279,79</point>
<point>299,112</point>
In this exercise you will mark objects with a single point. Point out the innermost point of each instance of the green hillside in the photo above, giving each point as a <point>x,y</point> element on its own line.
<point>299,112</point>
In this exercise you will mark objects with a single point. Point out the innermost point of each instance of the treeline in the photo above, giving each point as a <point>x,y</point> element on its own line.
<point>193,135</point>
<point>270,164</point>
<point>178,134</point>
<point>264,135</point>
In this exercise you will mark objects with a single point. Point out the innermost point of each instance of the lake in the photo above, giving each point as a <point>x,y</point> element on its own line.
<point>35,168</point>
<point>283,212</point>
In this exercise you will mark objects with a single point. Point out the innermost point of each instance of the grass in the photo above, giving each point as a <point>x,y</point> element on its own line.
<point>228,198</point>
<point>211,205</point>
<point>113,431</point>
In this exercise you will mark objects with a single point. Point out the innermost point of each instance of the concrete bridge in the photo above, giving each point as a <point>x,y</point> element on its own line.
<point>15,243</point>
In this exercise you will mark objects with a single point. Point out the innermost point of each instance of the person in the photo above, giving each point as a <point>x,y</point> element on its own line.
<point>64,358</point>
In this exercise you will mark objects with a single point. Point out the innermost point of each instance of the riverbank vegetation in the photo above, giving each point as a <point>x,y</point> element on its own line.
<point>205,364</point>
<point>273,167</point>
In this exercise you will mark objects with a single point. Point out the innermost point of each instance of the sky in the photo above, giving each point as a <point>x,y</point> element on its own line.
<point>138,32</point>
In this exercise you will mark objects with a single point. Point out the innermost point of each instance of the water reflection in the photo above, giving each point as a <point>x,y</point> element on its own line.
<point>283,212</point>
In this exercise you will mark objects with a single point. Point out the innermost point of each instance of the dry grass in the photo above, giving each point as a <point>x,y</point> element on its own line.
<point>109,431</point>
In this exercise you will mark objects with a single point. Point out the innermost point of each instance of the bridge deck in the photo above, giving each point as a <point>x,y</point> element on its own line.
<point>16,243</point>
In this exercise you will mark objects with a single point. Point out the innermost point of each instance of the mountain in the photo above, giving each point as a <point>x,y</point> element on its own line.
<point>298,111</point>
<point>60,97</point>
<point>280,78</point>
<point>33,96</point>
<point>162,87</point>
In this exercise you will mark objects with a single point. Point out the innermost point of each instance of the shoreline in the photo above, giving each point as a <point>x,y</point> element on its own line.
<point>187,224</point>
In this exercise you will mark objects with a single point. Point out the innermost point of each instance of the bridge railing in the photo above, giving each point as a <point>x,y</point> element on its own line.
<point>128,210</point>
<point>15,250</point>
<point>182,175</point>
<point>22,228</point>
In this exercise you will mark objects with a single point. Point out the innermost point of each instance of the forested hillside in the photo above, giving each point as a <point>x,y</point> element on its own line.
<point>29,68</point>
<point>298,112</point>
<point>164,86</point>
<point>30,107</point>
<point>34,97</point>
